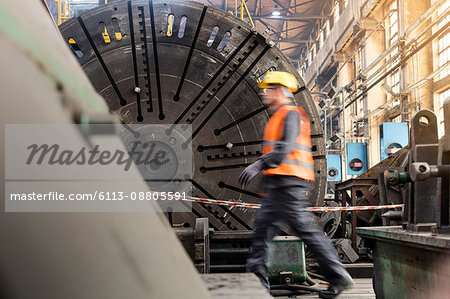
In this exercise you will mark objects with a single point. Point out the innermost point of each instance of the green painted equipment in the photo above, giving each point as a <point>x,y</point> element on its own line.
<point>287,261</point>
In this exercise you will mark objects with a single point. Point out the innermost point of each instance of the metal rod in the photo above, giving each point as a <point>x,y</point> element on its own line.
<point>248,13</point>
<point>156,61</point>
<point>84,3</point>
<point>291,18</point>
<point>353,222</point>
<point>137,93</point>
<point>344,156</point>
<point>325,127</point>
<point>242,10</point>
<point>58,12</point>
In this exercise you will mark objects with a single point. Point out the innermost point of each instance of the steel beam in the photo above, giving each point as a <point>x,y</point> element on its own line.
<point>290,17</point>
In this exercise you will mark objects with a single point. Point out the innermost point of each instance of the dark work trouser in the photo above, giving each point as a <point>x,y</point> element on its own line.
<point>288,205</point>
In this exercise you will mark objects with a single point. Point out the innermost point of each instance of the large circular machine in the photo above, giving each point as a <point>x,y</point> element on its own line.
<point>178,62</point>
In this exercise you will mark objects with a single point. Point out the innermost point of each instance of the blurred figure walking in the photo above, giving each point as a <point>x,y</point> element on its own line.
<point>288,174</point>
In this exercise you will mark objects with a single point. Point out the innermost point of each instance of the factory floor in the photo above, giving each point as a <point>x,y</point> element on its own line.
<point>362,289</point>
<point>246,285</point>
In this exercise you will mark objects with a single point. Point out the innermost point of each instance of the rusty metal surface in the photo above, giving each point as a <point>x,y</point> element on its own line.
<point>399,159</point>
<point>397,234</point>
<point>409,264</point>
<point>355,182</point>
<point>288,255</point>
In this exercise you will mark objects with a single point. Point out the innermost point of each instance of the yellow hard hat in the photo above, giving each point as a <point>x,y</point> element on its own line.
<point>281,78</point>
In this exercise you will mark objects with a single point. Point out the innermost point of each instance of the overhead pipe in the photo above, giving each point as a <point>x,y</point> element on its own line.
<point>390,61</point>
<point>413,40</point>
<point>416,24</point>
<point>388,72</point>
<point>359,46</point>
<point>411,29</point>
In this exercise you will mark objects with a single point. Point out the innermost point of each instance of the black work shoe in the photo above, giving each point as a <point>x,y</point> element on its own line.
<point>334,291</point>
<point>331,292</point>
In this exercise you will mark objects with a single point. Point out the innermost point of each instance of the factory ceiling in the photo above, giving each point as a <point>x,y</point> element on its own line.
<point>290,22</point>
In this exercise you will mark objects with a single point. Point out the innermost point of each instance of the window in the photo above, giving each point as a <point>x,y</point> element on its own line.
<point>395,86</point>
<point>354,108</point>
<point>393,38</point>
<point>345,3</point>
<point>360,59</point>
<point>393,26</point>
<point>327,28</point>
<point>321,39</point>
<point>336,11</point>
<point>396,119</point>
<point>443,42</point>
<point>361,106</point>
<point>442,97</point>
<point>395,81</point>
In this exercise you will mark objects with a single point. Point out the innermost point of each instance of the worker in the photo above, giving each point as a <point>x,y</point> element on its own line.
<point>288,175</point>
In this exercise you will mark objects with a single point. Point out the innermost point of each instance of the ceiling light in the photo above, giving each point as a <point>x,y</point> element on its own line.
<point>276,12</point>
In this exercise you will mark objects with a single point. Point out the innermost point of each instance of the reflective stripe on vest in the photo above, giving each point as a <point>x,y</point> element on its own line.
<point>299,162</point>
<point>296,146</point>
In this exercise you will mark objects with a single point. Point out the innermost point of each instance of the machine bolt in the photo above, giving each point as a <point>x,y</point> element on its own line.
<point>172,141</point>
<point>137,90</point>
<point>229,146</point>
<point>419,171</point>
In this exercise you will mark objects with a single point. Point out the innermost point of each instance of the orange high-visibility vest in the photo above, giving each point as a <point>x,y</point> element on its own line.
<point>299,162</point>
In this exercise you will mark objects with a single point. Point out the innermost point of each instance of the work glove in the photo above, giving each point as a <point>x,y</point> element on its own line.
<point>250,172</point>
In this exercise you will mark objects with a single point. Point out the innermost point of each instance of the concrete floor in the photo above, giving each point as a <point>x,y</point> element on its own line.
<point>362,289</point>
<point>247,286</point>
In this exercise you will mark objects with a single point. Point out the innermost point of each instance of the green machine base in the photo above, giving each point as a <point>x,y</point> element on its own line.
<point>287,261</point>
